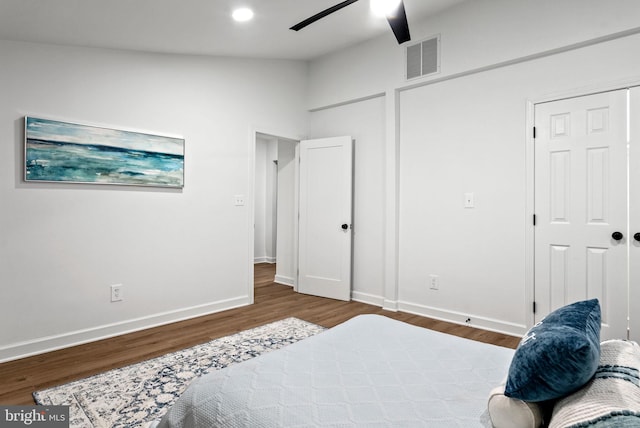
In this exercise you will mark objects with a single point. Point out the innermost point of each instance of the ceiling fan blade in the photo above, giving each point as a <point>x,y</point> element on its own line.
<point>299,26</point>
<point>399,24</point>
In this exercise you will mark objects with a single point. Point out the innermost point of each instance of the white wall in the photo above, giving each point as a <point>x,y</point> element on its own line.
<point>466,131</point>
<point>178,253</point>
<point>469,135</point>
<point>259,245</point>
<point>364,121</point>
<point>271,208</point>
<point>286,268</point>
<point>474,34</point>
<point>265,199</point>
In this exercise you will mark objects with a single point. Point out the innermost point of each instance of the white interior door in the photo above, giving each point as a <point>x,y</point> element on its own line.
<point>634,214</point>
<point>324,261</point>
<point>580,201</point>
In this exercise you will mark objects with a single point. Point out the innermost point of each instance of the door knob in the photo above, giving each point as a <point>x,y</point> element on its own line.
<point>345,226</point>
<point>637,236</point>
<point>617,236</point>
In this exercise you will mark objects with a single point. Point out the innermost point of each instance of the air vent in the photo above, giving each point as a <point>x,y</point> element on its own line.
<point>423,58</point>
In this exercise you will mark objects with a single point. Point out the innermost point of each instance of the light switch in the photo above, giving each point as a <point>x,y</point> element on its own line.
<point>468,200</point>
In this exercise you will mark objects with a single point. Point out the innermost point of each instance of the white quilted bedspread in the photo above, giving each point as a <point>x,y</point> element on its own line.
<point>371,371</point>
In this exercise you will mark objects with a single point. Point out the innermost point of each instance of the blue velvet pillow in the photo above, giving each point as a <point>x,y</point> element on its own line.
<point>558,355</point>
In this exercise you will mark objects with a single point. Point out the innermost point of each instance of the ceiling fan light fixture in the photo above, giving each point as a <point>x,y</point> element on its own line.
<point>384,7</point>
<point>242,14</point>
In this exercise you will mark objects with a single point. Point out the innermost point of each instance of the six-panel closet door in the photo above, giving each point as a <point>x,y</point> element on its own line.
<point>634,213</point>
<point>581,236</point>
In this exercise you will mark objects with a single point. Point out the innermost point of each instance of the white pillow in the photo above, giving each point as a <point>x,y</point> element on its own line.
<point>612,397</point>
<point>507,412</point>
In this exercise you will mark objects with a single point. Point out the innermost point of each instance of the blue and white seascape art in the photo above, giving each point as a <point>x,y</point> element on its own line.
<point>69,152</point>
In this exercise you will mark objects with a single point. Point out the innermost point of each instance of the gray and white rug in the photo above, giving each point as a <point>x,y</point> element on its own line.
<point>135,395</point>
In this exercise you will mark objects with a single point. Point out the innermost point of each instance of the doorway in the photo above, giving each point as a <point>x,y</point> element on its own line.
<point>275,205</point>
<point>303,213</point>
<point>265,199</point>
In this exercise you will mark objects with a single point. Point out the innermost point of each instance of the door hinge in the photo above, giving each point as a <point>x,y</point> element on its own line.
<point>534,307</point>
<point>534,219</point>
<point>534,132</point>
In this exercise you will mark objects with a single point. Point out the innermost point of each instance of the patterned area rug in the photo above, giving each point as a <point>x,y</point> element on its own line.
<point>136,395</point>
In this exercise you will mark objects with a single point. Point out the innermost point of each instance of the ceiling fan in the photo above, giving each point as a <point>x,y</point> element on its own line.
<point>397,19</point>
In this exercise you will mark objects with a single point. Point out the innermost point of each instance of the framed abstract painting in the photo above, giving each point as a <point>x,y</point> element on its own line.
<point>58,151</point>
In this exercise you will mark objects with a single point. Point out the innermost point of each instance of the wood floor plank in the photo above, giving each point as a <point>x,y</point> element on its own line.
<point>20,378</point>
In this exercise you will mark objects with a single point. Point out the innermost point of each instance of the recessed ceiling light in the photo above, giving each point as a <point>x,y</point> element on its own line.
<point>384,7</point>
<point>242,14</point>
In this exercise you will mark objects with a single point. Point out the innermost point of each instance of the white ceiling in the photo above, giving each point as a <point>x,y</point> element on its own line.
<point>201,27</point>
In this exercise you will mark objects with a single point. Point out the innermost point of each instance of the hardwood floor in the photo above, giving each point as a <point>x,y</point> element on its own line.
<point>18,379</point>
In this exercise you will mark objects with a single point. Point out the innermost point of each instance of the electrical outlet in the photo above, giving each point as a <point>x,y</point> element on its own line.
<point>434,282</point>
<point>116,293</point>
<point>469,200</point>
<point>239,200</point>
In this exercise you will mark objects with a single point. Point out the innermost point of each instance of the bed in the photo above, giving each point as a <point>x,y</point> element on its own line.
<point>371,371</point>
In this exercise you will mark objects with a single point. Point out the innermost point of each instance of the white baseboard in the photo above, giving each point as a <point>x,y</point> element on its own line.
<point>284,280</point>
<point>367,298</point>
<point>79,337</point>
<point>270,260</point>
<point>454,317</point>
<point>390,305</point>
